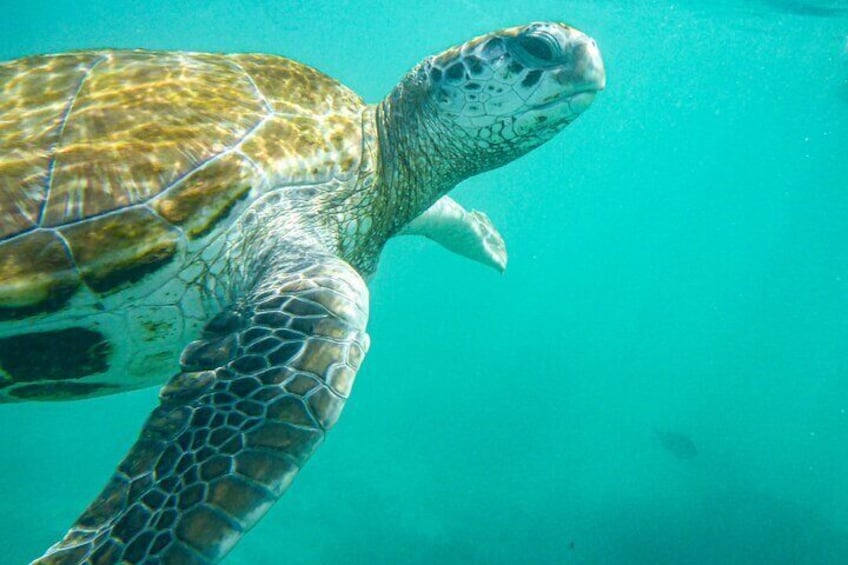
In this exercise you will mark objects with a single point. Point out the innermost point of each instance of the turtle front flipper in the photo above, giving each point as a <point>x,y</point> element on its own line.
<point>253,401</point>
<point>470,234</point>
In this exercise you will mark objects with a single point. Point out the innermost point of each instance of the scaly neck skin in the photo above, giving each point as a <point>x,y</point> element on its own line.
<point>413,158</point>
<point>418,161</point>
<point>466,110</point>
<point>408,163</point>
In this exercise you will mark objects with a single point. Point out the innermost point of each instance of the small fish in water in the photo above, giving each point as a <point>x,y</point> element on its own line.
<point>679,445</point>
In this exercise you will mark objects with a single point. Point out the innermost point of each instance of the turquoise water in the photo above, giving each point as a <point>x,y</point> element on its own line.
<point>678,262</point>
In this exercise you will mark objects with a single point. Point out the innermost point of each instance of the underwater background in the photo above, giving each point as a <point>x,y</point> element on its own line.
<point>660,376</point>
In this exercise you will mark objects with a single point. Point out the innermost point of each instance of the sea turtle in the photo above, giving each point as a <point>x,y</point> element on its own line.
<point>214,218</point>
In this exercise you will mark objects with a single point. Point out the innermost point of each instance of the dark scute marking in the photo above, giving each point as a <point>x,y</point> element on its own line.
<point>531,78</point>
<point>224,323</point>
<point>59,390</point>
<point>178,554</point>
<point>107,553</point>
<point>153,499</point>
<point>166,519</point>
<point>184,442</point>
<point>119,279</point>
<point>233,446</point>
<point>198,439</point>
<point>166,422</point>
<point>169,485</point>
<point>303,325</point>
<point>472,86</point>
<point>235,419</point>
<point>455,72</point>
<point>37,276</point>
<point>131,523</point>
<point>326,407</point>
<point>221,399</point>
<point>221,435</point>
<point>250,408</point>
<point>283,333</point>
<point>215,467</point>
<point>186,461</point>
<point>202,416</point>
<point>253,334</point>
<point>436,74</point>
<point>299,307</point>
<point>236,497</point>
<point>117,250</point>
<point>205,452</point>
<point>284,438</point>
<point>107,504</point>
<point>301,384</point>
<point>190,476</point>
<point>209,354</point>
<point>191,496</point>
<point>244,386</point>
<point>515,67</point>
<point>136,551</point>
<point>70,555</point>
<point>270,319</point>
<point>474,64</point>
<point>139,486</point>
<point>185,387</point>
<point>285,352</point>
<point>272,303</point>
<point>162,540</point>
<point>249,364</point>
<point>292,410</point>
<point>203,530</point>
<point>58,355</point>
<point>144,455</point>
<point>263,346</point>
<point>264,467</point>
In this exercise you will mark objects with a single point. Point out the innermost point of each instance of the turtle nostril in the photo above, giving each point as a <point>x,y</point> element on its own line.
<point>540,46</point>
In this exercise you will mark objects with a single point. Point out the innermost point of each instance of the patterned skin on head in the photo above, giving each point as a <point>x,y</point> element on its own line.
<point>482,104</point>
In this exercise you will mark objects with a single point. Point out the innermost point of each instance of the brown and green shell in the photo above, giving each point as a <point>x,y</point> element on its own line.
<point>111,160</point>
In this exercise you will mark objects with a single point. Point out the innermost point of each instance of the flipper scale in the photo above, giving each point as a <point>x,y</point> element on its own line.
<point>226,441</point>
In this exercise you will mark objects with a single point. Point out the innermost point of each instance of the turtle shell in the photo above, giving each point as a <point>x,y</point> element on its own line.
<point>112,161</point>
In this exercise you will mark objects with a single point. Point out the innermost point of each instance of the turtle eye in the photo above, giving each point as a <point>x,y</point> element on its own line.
<point>537,49</point>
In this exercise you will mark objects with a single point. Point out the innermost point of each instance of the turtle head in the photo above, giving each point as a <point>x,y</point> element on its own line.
<point>510,91</point>
<point>479,105</point>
